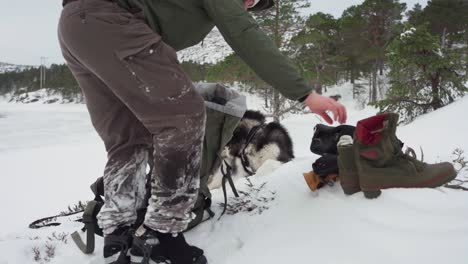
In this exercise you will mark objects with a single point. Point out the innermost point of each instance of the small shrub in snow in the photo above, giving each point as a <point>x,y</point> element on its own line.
<point>45,252</point>
<point>58,237</point>
<point>459,161</point>
<point>36,254</point>
<point>461,164</point>
<point>78,207</point>
<point>49,252</point>
<point>254,200</point>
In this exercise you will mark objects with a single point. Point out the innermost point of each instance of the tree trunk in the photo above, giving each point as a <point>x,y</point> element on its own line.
<point>436,101</point>
<point>319,87</point>
<point>354,91</point>
<point>444,38</point>
<point>353,83</point>
<point>265,97</point>
<point>466,56</point>
<point>318,82</point>
<point>381,66</point>
<point>374,86</point>
<point>276,106</point>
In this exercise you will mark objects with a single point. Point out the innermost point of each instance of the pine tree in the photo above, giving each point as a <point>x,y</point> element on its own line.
<point>281,23</point>
<point>447,19</point>
<point>415,15</point>
<point>353,47</point>
<point>383,18</point>
<point>317,52</point>
<point>424,76</point>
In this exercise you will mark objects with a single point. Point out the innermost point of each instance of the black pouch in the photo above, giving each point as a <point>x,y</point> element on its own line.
<point>326,165</point>
<point>326,138</point>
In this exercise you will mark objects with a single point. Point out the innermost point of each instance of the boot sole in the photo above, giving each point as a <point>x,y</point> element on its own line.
<point>138,260</point>
<point>201,260</point>
<point>351,190</point>
<point>374,192</point>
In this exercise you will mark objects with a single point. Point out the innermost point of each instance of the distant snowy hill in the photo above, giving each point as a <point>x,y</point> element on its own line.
<point>43,96</point>
<point>8,67</point>
<point>211,50</point>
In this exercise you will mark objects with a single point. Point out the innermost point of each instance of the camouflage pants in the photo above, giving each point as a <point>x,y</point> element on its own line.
<point>138,97</point>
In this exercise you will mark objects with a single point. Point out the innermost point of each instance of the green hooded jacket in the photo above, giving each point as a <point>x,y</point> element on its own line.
<point>184,23</point>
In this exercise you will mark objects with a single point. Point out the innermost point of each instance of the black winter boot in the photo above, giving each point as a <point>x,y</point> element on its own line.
<point>152,247</point>
<point>178,251</point>
<point>326,165</point>
<point>116,246</point>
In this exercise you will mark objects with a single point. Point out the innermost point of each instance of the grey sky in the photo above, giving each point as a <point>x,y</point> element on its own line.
<point>28,27</point>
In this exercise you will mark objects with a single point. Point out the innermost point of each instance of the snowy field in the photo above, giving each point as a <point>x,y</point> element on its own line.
<point>50,154</point>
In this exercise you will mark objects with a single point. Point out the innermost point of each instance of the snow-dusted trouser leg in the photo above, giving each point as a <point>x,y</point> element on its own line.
<point>124,189</point>
<point>177,160</point>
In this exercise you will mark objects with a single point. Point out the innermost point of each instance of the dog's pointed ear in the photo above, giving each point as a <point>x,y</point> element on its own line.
<point>255,115</point>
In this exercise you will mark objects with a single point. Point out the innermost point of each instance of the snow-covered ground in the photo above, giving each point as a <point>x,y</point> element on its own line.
<point>50,154</point>
<point>211,50</point>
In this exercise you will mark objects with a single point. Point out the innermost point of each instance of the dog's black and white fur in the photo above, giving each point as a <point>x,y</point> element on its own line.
<point>255,141</point>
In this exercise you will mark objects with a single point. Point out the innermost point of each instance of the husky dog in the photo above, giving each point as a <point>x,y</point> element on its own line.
<point>253,143</point>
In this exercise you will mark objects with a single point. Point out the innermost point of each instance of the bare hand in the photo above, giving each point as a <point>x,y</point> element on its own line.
<point>321,104</point>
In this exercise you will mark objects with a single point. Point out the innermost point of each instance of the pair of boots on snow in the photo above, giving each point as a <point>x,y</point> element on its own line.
<point>145,246</point>
<point>374,160</point>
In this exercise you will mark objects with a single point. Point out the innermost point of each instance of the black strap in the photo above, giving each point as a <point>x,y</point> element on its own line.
<point>226,169</point>
<point>207,207</point>
<point>210,213</point>
<point>244,160</point>
<point>98,189</point>
<point>87,248</point>
<point>227,177</point>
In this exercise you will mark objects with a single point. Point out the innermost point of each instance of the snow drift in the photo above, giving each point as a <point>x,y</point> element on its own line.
<point>49,154</point>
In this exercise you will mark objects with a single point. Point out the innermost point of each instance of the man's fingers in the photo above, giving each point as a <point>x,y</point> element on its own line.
<point>344,115</point>
<point>334,108</point>
<point>339,112</point>
<point>336,114</point>
<point>327,118</point>
<point>339,109</point>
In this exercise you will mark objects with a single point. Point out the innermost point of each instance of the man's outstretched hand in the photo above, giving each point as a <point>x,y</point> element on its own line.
<point>321,104</point>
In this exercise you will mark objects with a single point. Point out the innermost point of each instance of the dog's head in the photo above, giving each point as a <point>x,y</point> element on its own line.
<point>326,137</point>
<point>250,120</point>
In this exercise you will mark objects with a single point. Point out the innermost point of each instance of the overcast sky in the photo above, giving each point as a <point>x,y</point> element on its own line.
<point>28,28</point>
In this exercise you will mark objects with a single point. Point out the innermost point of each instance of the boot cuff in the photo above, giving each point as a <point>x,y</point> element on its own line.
<point>369,130</point>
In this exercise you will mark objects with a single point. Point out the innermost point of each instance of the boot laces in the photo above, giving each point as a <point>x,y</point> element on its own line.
<point>411,154</point>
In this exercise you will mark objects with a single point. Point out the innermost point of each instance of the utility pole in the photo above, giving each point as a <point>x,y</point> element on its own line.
<point>43,69</point>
